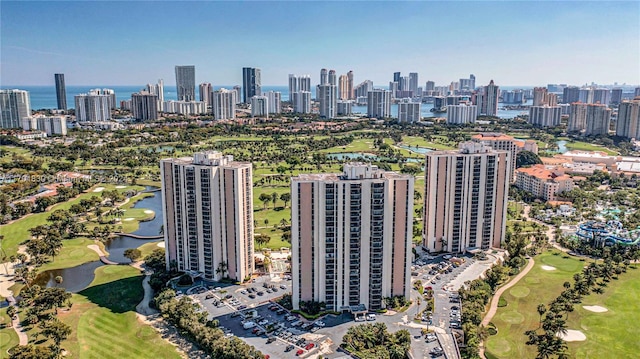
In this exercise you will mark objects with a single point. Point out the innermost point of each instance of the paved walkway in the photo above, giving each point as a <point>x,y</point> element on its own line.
<point>143,308</point>
<point>15,323</point>
<point>493,308</point>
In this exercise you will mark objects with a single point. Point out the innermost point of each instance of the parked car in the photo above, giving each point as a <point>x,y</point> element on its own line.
<point>289,348</point>
<point>263,322</point>
<point>271,340</point>
<point>252,296</point>
<point>260,293</point>
<point>209,296</point>
<point>274,289</point>
<point>248,325</point>
<point>314,329</point>
<point>282,286</point>
<point>431,338</point>
<point>242,307</point>
<point>291,318</point>
<point>309,346</point>
<point>244,292</point>
<point>296,323</point>
<point>371,317</point>
<point>319,323</point>
<point>299,352</point>
<point>280,311</point>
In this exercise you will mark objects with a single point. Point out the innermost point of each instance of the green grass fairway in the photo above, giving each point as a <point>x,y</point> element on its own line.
<point>585,146</point>
<point>613,334</point>
<point>18,231</point>
<point>421,142</point>
<point>538,286</point>
<point>8,337</point>
<point>104,323</point>
<point>609,335</point>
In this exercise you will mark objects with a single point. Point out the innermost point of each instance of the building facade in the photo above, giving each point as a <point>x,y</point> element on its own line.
<point>545,116</point>
<point>223,104</point>
<point>186,83</point>
<point>598,120</point>
<point>628,123</point>
<point>543,182</point>
<point>205,89</point>
<point>328,97</point>
<point>408,111</point>
<point>251,83</point>
<point>15,105</point>
<point>144,106</point>
<point>502,142</point>
<point>275,102</point>
<point>302,102</point>
<point>260,106</point>
<point>61,91</point>
<point>462,113</point>
<point>577,117</point>
<point>94,106</point>
<point>51,125</point>
<point>351,237</point>
<point>158,90</point>
<point>465,201</point>
<point>379,104</point>
<point>208,215</point>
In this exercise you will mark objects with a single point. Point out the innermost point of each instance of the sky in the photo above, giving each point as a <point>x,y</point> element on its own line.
<point>137,42</point>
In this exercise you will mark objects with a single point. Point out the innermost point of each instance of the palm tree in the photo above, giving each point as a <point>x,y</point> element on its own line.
<point>222,268</point>
<point>541,310</point>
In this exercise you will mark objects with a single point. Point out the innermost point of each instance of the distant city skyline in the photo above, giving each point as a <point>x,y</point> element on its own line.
<point>514,43</point>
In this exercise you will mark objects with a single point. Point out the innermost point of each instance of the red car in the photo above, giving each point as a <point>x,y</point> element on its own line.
<point>299,352</point>
<point>267,356</point>
<point>309,346</point>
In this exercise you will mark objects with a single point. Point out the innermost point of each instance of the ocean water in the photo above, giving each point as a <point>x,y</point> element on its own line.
<point>44,97</point>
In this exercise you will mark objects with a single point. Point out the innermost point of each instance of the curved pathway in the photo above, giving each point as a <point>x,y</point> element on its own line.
<point>143,307</point>
<point>493,308</point>
<point>17,327</point>
<point>496,297</point>
<point>103,257</point>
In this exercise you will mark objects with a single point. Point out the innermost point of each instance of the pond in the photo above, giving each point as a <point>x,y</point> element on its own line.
<point>77,278</point>
<point>74,279</point>
<point>416,149</point>
<point>116,246</point>
<point>562,146</point>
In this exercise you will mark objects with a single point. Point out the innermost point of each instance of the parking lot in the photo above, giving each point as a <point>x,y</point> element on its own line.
<point>248,312</point>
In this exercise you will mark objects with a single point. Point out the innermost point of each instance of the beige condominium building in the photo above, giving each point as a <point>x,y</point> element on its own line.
<point>465,199</point>
<point>543,182</point>
<point>351,236</point>
<point>208,215</point>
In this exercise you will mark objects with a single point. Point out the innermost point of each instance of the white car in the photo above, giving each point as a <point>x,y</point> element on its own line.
<point>263,322</point>
<point>248,325</point>
<point>447,256</point>
<point>371,317</point>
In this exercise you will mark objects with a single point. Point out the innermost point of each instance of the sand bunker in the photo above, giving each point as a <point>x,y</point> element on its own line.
<point>548,268</point>
<point>99,189</point>
<point>160,244</point>
<point>121,186</point>
<point>572,336</point>
<point>595,308</point>
<point>148,211</point>
<point>129,219</point>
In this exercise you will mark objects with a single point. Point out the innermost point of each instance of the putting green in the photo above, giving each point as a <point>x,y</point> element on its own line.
<point>512,317</point>
<point>519,292</point>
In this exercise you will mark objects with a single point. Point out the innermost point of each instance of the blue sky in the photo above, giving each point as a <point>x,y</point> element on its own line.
<point>131,43</point>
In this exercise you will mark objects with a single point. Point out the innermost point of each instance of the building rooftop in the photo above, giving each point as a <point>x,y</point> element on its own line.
<point>492,136</point>
<point>544,173</point>
<point>352,171</point>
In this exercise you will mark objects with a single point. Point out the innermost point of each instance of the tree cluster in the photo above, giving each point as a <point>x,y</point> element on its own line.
<point>373,341</point>
<point>195,326</point>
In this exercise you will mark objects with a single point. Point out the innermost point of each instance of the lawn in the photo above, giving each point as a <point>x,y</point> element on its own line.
<point>358,145</point>
<point>612,334</point>
<point>414,141</point>
<point>537,287</point>
<point>8,337</point>
<point>104,323</point>
<point>585,146</point>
